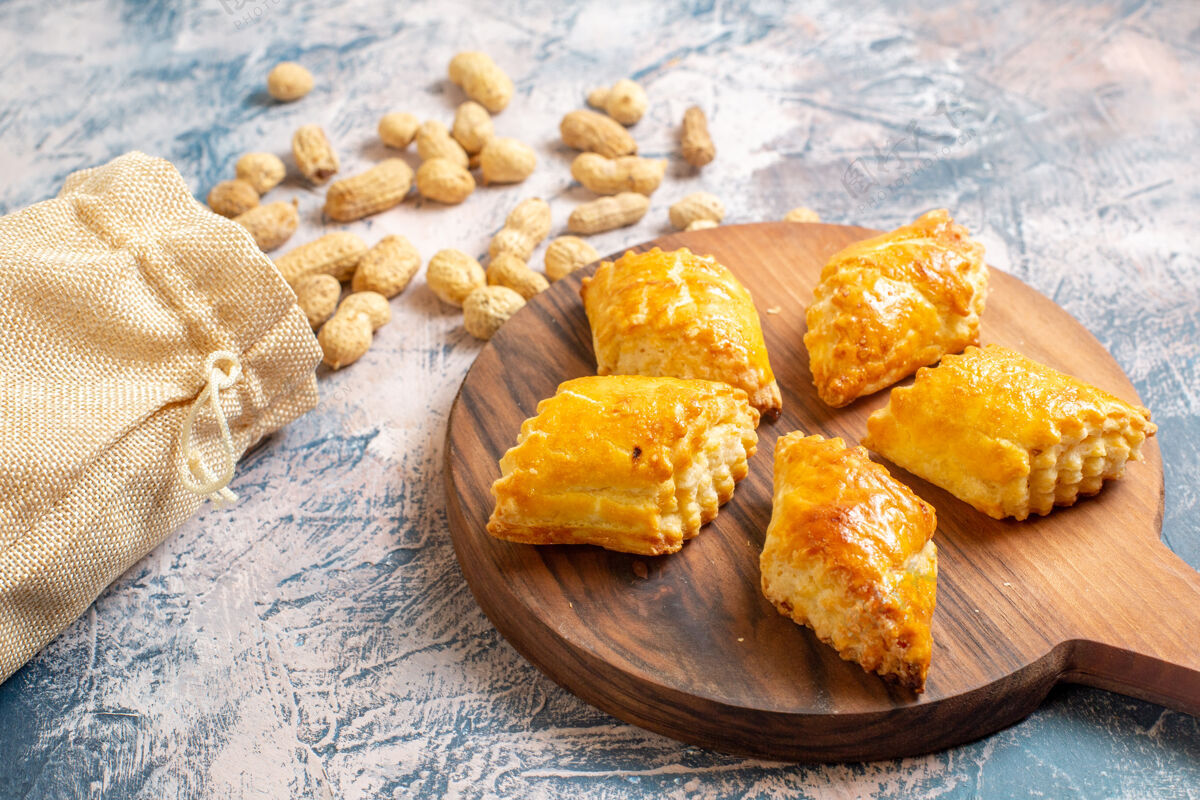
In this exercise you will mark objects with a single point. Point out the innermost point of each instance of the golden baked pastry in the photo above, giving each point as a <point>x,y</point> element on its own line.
<point>626,462</point>
<point>849,554</point>
<point>1006,434</point>
<point>886,306</point>
<point>682,315</point>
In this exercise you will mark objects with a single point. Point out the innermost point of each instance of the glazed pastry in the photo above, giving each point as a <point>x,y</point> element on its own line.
<point>629,463</point>
<point>849,554</point>
<point>889,305</point>
<point>1006,434</point>
<point>682,315</point>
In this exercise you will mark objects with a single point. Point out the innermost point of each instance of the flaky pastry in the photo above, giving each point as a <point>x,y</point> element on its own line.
<point>849,553</point>
<point>1006,434</point>
<point>626,462</point>
<point>682,315</point>
<point>886,306</point>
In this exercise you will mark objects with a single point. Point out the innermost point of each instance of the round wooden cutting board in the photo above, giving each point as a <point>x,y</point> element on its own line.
<point>686,645</point>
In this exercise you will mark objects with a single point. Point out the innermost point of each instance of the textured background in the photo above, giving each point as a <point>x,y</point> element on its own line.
<point>318,640</point>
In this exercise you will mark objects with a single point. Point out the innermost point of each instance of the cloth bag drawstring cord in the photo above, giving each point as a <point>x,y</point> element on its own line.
<point>222,369</point>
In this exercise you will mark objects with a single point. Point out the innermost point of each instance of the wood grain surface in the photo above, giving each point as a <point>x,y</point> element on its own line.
<point>686,645</point>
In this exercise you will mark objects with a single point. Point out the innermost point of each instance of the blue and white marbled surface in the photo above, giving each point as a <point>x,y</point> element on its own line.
<point>318,639</point>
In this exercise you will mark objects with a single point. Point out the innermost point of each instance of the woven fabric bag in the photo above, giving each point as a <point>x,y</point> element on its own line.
<point>145,343</point>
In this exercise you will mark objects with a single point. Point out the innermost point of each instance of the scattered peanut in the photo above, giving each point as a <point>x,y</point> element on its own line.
<point>566,254</point>
<point>347,335</point>
<point>482,80</point>
<point>524,229</point>
<point>231,198</point>
<point>314,154</point>
<point>378,189</point>
<point>373,304</point>
<point>531,215</point>
<point>472,127</point>
<point>608,213</point>
<point>697,145</point>
<point>317,296</point>
<point>387,267</point>
<point>489,307</point>
<point>701,224</point>
<point>505,160</point>
<point>801,214</point>
<point>434,141</point>
<point>452,275</point>
<point>613,175</point>
<point>263,171</point>
<point>589,131</point>
<point>344,339</point>
<point>596,98</point>
<point>271,225</point>
<point>397,129</point>
<point>512,240</point>
<point>333,254</point>
<point>288,81</point>
<point>698,205</point>
<point>443,180</point>
<point>508,270</point>
<point>625,102</point>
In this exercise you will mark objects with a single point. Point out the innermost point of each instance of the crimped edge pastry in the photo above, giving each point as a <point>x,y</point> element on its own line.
<point>890,304</point>
<point>680,314</point>
<point>630,463</point>
<point>849,553</point>
<point>1006,434</point>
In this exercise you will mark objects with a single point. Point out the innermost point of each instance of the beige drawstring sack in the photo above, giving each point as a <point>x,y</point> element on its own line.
<point>145,343</point>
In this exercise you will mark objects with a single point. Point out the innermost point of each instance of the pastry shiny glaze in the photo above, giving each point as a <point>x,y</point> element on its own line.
<point>888,305</point>
<point>848,552</point>
<point>682,315</point>
<point>629,463</point>
<point>1006,434</point>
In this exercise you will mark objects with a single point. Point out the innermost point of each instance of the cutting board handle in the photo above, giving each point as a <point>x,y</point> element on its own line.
<point>1146,643</point>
